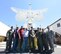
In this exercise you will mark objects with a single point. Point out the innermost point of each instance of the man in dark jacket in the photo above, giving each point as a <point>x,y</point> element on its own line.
<point>15,39</point>
<point>39,39</point>
<point>50,38</point>
<point>45,43</point>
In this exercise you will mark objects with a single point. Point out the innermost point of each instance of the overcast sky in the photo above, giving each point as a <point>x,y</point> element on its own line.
<point>52,13</point>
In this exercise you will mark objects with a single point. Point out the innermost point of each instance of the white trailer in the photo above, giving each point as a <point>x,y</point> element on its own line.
<point>56,26</point>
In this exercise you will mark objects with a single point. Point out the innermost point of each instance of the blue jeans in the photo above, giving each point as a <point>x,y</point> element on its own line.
<point>15,44</point>
<point>25,44</point>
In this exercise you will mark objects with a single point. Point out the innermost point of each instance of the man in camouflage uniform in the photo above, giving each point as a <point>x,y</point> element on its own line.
<point>9,36</point>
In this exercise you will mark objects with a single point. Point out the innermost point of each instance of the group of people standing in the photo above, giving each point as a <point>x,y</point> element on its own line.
<point>24,40</point>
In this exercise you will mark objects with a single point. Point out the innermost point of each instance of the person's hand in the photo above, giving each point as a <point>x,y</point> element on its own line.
<point>19,37</point>
<point>14,36</point>
<point>7,38</point>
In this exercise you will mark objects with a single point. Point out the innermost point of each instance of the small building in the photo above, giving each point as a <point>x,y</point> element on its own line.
<point>3,30</point>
